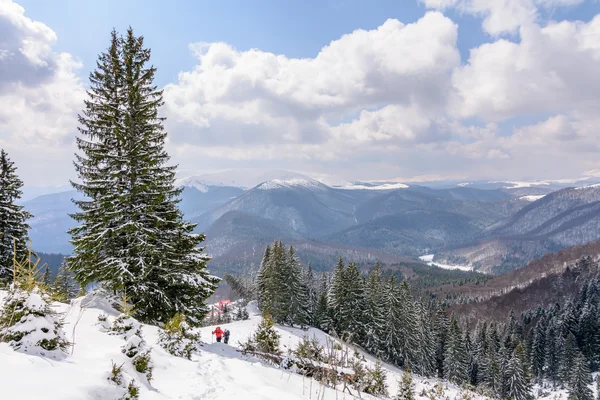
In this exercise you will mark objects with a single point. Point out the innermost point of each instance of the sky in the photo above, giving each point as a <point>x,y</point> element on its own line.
<point>361,90</point>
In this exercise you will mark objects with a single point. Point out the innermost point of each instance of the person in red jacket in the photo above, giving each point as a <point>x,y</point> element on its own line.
<point>219,333</point>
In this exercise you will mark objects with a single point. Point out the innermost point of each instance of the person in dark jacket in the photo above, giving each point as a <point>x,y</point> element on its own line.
<point>226,336</point>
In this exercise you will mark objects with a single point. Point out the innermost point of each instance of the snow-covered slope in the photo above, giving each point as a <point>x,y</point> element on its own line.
<point>219,371</point>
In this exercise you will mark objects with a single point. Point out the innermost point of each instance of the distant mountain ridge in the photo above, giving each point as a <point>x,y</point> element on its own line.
<point>494,226</point>
<point>561,219</point>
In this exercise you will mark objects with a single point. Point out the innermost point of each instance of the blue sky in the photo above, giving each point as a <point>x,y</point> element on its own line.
<point>400,101</point>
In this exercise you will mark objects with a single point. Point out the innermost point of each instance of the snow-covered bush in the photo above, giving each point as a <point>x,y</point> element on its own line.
<point>29,325</point>
<point>127,326</point>
<point>103,322</point>
<point>131,391</point>
<point>177,338</point>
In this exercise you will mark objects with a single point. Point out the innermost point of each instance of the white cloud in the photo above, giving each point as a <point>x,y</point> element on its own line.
<point>501,16</point>
<point>368,86</point>
<point>40,94</point>
<point>552,69</point>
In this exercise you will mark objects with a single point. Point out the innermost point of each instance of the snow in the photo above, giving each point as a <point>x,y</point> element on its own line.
<point>429,260</point>
<point>375,186</point>
<point>464,184</point>
<point>531,197</point>
<point>588,186</point>
<point>291,183</point>
<point>219,371</point>
<point>192,182</point>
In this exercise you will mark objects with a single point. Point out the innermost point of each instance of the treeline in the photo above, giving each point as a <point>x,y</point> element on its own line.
<point>559,346</point>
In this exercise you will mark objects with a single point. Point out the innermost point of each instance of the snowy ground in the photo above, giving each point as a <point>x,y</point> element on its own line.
<point>429,260</point>
<point>218,372</point>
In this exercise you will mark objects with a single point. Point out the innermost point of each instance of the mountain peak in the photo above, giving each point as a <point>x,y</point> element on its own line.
<point>302,182</point>
<point>193,182</point>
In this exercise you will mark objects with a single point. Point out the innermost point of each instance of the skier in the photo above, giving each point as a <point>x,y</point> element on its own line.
<point>219,333</point>
<point>226,336</point>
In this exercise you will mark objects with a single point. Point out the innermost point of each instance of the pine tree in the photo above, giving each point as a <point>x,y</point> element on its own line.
<point>567,358</point>
<point>355,307</point>
<point>581,378</point>
<point>13,217</point>
<point>375,334</point>
<point>538,351</point>
<point>517,385</point>
<point>281,303</point>
<point>337,297</point>
<point>442,327</point>
<point>553,349</point>
<point>392,341</point>
<point>46,276</point>
<point>64,287</point>
<point>406,388</point>
<point>407,328</point>
<point>455,356</point>
<point>310,286</point>
<point>296,291</point>
<point>132,236</point>
<point>426,341</point>
<point>266,291</point>
<point>323,319</point>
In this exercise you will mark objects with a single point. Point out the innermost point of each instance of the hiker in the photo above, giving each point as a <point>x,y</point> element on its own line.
<point>226,336</point>
<point>219,333</point>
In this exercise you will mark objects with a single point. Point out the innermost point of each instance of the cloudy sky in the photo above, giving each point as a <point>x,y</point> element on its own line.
<point>491,89</point>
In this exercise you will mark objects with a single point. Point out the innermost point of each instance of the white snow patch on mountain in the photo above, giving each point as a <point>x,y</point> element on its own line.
<point>429,260</point>
<point>531,197</point>
<point>291,183</point>
<point>375,186</point>
<point>192,182</point>
<point>588,187</point>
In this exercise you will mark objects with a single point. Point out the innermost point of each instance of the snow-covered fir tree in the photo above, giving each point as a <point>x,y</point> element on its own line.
<point>296,291</point>
<point>581,379</point>
<point>178,339</point>
<point>64,287</point>
<point>323,312</point>
<point>425,362</point>
<point>375,333</point>
<point>337,296</point>
<point>310,286</point>
<point>517,384</point>
<point>132,236</point>
<point>13,219</point>
<point>455,356</point>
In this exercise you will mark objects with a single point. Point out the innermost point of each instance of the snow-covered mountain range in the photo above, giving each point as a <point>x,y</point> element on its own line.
<point>243,211</point>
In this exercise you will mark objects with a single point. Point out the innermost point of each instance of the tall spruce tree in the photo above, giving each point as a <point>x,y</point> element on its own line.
<point>455,356</point>
<point>517,386</point>
<point>132,236</point>
<point>311,292</point>
<point>581,379</point>
<point>295,288</point>
<point>323,313</point>
<point>393,329</point>
<point>425,340</point>
<point>264,278</point>
<point>13,217</point>
<point>375,332</point>
<point>408,328</point>
<point>337,297</point>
